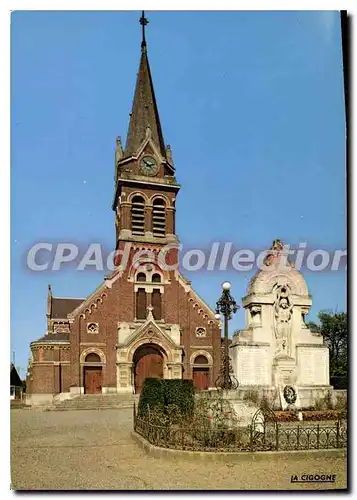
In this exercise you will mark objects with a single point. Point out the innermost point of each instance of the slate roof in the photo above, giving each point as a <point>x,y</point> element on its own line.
<point>14,377</point>
<point>62,307</point>
<point>144,112</point>
<point>52,337</point>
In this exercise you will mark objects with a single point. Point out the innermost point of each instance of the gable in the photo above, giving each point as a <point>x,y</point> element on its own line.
<point>150,332</point>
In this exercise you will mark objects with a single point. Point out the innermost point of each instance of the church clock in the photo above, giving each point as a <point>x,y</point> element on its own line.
<point>148,165</point>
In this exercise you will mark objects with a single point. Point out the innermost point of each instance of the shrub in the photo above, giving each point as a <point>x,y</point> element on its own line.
<point>173,398</point>
<point>319,404</point>
<point>341,403</point>
<point>152,396</point>
<point>179,394</point>
<point>265,402</point>
<point>251,395</point>
<point>324,403</point>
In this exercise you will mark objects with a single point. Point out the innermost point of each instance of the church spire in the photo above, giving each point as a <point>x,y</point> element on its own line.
<point>144,112</point>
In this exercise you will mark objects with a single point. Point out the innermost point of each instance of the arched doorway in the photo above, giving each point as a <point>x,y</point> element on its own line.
<point>92,374</point>
<point>200,373</point>
<point>148,362</point>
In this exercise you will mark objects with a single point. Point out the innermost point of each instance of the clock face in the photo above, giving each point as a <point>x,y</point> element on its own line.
<point>148,165</point>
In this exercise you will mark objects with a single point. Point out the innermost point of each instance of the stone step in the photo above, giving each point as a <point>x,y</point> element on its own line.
<point>111,407</point>
<point>97,401</point>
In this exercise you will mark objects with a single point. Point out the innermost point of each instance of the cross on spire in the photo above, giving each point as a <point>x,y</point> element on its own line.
<point>143,21</point>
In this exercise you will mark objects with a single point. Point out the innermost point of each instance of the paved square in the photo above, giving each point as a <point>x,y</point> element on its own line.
<point>86,450</point>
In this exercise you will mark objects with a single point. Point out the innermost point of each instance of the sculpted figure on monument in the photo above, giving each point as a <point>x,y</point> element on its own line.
<point>274,252</point>
<point>282,319</point>
<point>255,312</point>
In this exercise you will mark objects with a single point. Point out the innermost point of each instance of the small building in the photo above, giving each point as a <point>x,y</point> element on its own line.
<point>16,384</point>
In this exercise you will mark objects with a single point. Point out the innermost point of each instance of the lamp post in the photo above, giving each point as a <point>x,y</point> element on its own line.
<point>226,306</point>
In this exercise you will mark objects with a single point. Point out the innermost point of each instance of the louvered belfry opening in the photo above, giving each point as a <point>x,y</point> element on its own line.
<point>156,304</point>
<point>159,218</point>
<point>138,216</point>
<point>141,304</point>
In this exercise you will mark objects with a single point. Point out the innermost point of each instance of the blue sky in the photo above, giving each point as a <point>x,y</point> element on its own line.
<point>251,103</point>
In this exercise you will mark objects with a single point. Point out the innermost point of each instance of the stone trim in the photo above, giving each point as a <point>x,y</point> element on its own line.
<point>321,346</point>
<point>314,387</point>
<point>94,344</point>
<point>88,302</point>
<point>188,288</point>
<point>250,343</point>
<point>171,186</point>
<point>49,343</point>
<point>50,363</point>
<point>91,350</point>
<point>268,299</point>
<point>201,353</point>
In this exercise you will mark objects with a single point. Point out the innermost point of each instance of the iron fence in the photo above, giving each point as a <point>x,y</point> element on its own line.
<point>263,434</point>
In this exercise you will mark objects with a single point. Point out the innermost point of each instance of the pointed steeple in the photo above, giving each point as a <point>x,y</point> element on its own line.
<point>144,112</point>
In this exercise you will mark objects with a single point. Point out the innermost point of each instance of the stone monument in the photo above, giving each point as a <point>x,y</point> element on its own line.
<point>277,353</point>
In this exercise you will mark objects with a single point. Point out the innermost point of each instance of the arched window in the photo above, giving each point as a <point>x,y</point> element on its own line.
<point>156,278</point>
<point>158,218</point>
<point>138,216</point>
<point>201,360</point>
<point>141,277</point>
<point>92,358</point>
<point>156,304</point>
<point>141,304</point>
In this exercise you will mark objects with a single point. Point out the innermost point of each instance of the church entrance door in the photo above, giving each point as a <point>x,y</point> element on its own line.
<point>148,362</point>
<point>200,378</point>
<point>92,380</point>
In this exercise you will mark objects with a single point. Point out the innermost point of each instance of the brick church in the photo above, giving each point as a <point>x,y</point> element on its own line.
<point>144,319</point>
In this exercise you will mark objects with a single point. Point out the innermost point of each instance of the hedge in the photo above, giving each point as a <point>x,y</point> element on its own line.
<point>180,393</point>
<point>152,395</point>
<point>161,393</point>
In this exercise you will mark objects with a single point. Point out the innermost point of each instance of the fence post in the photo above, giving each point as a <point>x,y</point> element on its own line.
<point>318,436</point>
<point>251,437</point>
<point>277,437</point>
<point>338,434</point>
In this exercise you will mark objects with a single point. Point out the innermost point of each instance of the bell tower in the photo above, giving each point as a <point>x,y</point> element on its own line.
<point>145,182</point>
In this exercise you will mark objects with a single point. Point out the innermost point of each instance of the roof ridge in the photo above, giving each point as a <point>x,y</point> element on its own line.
<point>68,298</point>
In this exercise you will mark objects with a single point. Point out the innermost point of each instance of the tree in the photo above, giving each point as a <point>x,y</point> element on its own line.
<point>333,328</point>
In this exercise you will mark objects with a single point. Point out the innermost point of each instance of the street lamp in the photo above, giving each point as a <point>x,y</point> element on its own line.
<point>226,306</point>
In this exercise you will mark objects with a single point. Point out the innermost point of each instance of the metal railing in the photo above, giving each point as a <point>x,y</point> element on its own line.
<point>261,435</point>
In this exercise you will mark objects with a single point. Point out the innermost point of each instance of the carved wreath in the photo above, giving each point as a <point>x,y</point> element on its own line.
<point>289,394</point>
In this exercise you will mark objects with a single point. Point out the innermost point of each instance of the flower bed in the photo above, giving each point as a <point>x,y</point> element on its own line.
<point>310,415</point>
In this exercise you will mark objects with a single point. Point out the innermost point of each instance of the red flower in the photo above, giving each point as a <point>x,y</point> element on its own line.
<point>209,417</point>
